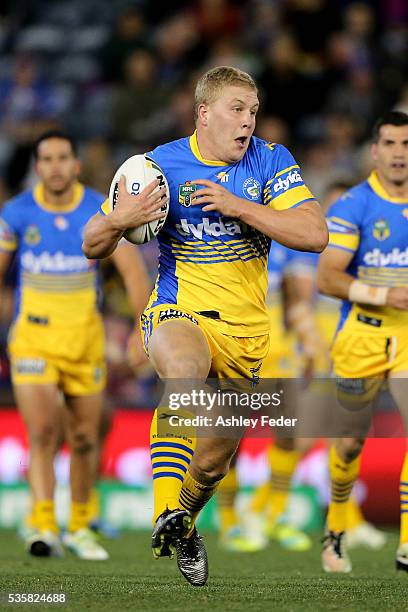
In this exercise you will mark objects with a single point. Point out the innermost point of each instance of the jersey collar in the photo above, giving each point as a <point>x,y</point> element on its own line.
<point>377,187</point>
<point>196,152</point>
<point>38,194</point>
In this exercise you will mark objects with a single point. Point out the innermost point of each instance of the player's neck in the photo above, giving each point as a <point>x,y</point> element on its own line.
<point>393,190</point>
<point>59,199</point>
<point>205,148</point>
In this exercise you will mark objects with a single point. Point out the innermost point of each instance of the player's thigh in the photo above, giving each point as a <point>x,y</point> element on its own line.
<point>41,409</point>
<point>84,413</point>
<point>179,349</point>
<point>398,386</point>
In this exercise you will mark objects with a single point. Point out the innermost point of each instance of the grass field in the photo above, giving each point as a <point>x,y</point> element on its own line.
<point>270,580</point>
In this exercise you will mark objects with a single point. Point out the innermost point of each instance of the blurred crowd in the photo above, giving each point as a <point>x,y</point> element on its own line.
<point>119,76</point>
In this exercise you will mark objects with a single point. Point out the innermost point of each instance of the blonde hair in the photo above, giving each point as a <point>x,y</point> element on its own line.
<point>214,80</point>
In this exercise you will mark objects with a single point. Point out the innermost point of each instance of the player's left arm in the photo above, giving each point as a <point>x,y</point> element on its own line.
<point>302,227</point>
<point>130,265</point>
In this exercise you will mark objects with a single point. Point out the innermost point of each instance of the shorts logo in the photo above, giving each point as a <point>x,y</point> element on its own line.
<point>283,184</point>
<point>351,386</point>
<point>251,188</point>
<point>97,374</point>
<point>30,366</point>
<point>32,235</point>
<point>255,375</point>
<point>146,323</point>
<point>172,313</point>
<point>381,230</point>
<point>185,192</point>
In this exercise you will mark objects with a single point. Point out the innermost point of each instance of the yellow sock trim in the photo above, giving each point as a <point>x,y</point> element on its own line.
<point>226,494</point>
<point>404,501</point>
<point>30,519</point>
<point>44,515</point>
<point>79,518</point>
<point>354,515</point>
<point>260,498</point>
<point>283,464</point>
<point>343,476</point>
<point>171,451</point>
<point>94,505</point>
<point>194,495</point>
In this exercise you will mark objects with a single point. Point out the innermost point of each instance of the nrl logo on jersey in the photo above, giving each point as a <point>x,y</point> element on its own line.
<point>32,235</point>
<point>185,192</point>
<point>216,229</point>
<point>381,230</point>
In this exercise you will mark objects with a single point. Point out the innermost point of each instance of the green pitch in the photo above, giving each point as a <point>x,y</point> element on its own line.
<point>270,580</point>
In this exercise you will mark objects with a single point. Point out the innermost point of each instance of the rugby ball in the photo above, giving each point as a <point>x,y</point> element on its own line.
<point>139,171</point>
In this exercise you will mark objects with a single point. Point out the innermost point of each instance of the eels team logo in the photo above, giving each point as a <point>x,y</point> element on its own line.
<point>185,192</point>
<point>32,235</point>
<point>381,230</point>
<point>252,188</point>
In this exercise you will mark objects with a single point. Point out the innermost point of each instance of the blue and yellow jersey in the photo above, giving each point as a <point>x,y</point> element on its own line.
<point>214,264</point>
<point>57,285</point>
<point>373,227</point>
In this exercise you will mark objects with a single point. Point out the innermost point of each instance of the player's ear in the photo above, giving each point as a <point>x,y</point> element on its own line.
<point>78,167</point>
<point>374,154</point>
<point>203,114</point>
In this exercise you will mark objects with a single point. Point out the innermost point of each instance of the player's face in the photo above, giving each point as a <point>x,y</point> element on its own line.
<point>57,165</point>
<point>391,153</point>
<point>229,122</point>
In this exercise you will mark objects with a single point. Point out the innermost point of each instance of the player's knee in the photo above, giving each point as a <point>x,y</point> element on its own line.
<point>350,448</point>
<point>208,470</point>
<point>209,474</point>
<point>82,441</point>
<point>44,436</point>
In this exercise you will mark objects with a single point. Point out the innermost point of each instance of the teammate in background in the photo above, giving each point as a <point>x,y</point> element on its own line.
<point>301,351</point>
<point>366,267</point>
<point>56,342</point>
<point>207,315</point>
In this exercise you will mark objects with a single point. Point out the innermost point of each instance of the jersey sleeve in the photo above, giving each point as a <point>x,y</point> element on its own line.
<point>344,223</point>
<point>105,207</point>
<point>284,187</point>
<point>9,228</point>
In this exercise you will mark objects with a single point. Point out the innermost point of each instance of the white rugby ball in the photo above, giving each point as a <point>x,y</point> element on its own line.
<point>139,171</point>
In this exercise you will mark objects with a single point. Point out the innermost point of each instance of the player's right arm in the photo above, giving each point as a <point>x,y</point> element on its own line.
<point>103,232</point>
